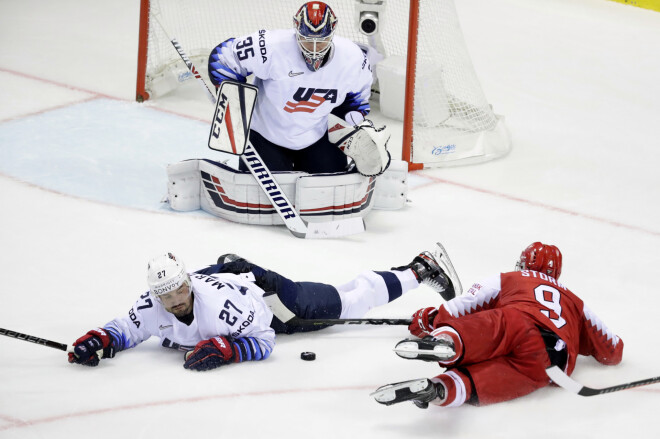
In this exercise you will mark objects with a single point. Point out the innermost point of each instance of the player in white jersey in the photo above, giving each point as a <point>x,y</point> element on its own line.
<point>303,75</point>
<point>219,315</point>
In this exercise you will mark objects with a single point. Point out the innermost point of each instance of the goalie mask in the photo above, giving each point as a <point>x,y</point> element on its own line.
<point>540,257</point>
<point>315,25</point>
<point>165,275</point>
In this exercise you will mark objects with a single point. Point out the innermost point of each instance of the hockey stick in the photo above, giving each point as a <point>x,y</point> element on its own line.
<point>561,379</point>
<point>323,322</point>
<point>296,225</point>
<point>36,340</point>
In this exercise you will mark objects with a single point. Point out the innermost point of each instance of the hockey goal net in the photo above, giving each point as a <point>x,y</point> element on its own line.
<point>424,76</point>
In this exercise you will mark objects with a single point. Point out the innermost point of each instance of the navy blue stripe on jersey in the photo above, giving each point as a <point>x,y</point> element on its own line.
<point>219,72</point>
<point>354,102</point>
<point>392,283</point>
<point>118,339</point>
<point>249,349</point>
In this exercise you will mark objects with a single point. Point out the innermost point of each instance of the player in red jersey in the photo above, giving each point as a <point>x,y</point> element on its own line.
<point>497,339</point>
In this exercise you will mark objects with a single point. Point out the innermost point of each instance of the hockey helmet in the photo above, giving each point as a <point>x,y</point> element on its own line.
<point>166,274</point>
<point>544,258</point>
<point>315,25</point>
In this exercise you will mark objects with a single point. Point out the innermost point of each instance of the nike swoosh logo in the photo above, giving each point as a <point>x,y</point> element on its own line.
<point>161,327</point>
<point>291,74</point>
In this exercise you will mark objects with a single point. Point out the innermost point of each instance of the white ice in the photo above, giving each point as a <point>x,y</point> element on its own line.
<point>82,175</point>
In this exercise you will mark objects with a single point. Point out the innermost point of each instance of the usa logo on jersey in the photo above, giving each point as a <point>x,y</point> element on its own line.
<point>307,100</point>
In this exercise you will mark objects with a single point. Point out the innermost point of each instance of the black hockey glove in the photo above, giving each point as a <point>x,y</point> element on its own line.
<point>264,279</point>
<point>232,263</point>
<point>86,348</point>
<point>211,353</point>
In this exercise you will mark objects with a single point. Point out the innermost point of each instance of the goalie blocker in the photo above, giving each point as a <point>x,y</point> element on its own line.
<point>236,196</point>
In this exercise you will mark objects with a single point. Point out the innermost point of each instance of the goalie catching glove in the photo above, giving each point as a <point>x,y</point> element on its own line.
<point>364,143</point>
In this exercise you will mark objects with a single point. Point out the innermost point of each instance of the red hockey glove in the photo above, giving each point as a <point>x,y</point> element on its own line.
<point>422,322</point>
<point>211,353</point>
<point>86,348</point>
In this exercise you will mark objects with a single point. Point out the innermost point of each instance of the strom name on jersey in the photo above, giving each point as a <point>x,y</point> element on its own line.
<point>550,305</point>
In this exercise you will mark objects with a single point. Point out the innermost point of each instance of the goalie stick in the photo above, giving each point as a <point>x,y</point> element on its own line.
<point>291,218</point>
<point>36,340</point>
<point>562,380</point>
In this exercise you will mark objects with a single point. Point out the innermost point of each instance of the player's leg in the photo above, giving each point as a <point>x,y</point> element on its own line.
<point>497,380</point>
<point>313,300</point>
<point>510,362</point>
<point>274,156</point>
<point>511,334</point>
<point>508,329</point>
<point>506,378</point>
<point>373,288</point>
<point>307,300</point>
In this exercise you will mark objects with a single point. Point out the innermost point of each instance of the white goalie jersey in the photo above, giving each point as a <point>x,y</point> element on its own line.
<point>224,305</point>
<point>293,102</point>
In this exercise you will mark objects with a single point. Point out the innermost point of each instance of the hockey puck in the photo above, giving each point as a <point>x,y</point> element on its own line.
<point>308,356</point>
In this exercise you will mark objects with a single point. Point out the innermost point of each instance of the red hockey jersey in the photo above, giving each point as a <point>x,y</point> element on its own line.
<point>550,305</point>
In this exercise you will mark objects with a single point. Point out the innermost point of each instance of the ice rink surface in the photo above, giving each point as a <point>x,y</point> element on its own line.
<point>82,172</point>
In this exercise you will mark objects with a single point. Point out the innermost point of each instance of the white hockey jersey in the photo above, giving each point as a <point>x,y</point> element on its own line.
<point>293,102</point>
<point>224,304</point>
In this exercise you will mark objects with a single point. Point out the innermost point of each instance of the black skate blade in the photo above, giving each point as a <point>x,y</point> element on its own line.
<point>399,392</point>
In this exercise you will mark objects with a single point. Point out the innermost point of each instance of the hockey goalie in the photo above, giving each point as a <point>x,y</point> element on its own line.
<point>328,164</point>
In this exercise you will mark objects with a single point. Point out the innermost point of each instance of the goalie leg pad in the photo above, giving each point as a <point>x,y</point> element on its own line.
<point>321,198</point>
<point>236,196</point>
<point>392,187</point>
<point>183,185</point>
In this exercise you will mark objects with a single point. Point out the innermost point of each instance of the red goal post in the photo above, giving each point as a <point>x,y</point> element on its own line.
<point>424,79</point>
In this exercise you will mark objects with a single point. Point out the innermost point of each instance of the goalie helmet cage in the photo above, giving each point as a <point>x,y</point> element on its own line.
<point>446,117</point>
